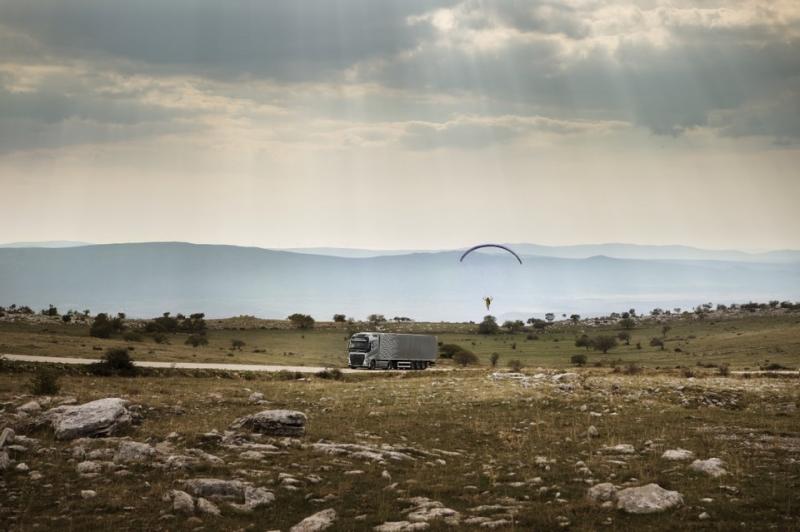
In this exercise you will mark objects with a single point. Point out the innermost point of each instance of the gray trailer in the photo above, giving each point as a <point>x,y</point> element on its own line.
<point>391,351</point>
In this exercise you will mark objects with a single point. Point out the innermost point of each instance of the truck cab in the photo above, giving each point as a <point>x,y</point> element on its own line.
<point>361,346</point>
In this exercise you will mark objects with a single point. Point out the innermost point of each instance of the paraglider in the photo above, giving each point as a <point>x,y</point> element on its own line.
<point>487,300</point>
<point>473,248</point>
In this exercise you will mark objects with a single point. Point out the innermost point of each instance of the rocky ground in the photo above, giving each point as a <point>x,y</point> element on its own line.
<point>478,450</point>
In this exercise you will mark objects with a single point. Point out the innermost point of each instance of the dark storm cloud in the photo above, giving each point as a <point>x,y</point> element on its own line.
<point>288,40</point>
<point>684,65</point>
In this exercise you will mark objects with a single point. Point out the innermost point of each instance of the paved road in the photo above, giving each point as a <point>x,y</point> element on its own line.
<point>178,365</point>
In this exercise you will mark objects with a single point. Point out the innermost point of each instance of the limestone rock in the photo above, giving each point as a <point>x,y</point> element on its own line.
<point>182,502</point>
<point>103,417</point>
<point>204,506</point>
<point>401,526</point>
<point>6,437</point>
<point>677,454</point>
<point>317,522</point>
<point>602,492</point>
<point>712,466</point>
<point>274,423</point>
<point>647,499</point>
<point>132,452</point>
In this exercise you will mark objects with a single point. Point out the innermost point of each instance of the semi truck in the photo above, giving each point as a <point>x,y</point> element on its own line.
<point>374,350</point>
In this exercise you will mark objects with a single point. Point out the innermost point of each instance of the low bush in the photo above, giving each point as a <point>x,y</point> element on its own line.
<point>494,358</point>
<point>515,365</point>
<point>44,382</point>
<point>465,358</point>
<point>334,374</point>
<point>132,336</point>
<point>578,360</point>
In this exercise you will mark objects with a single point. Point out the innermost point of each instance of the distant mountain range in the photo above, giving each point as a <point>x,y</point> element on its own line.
<point>48,244</point>
<point>146,279</point>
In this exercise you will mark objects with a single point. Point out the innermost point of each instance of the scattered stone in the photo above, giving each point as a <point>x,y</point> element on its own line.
<point>88,494</point>
<point>6,437</point>
<point>401,526</point>
<point>647,499</point>
<point>132,452</point>
<point>704,516</point>
<point>356,451</point>
<point>602,492</point>
<point>592,432</point>
<point>204,506</point>
<point>677,454</point>
<point>88,467</point>
<point>317,522</point>
<point>31,407</point>
<point>103,417</point>
<point>247,496</point>
<point>712,466</point>
<point>274,423</point>
<point>22,467</point>
<point>256,397</point>
<point>622,448</point>
<point>5,461</point>
<point>182,502</point>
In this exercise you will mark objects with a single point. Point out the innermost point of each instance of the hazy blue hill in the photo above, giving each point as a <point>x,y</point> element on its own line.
<point>45,244</point>
<point>150,278</point>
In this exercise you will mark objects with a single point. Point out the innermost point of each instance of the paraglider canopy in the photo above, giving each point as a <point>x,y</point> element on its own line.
<point>473,248</point>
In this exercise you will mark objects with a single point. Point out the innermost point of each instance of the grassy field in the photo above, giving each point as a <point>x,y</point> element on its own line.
<point>744,342</point>
<point>522,451</point>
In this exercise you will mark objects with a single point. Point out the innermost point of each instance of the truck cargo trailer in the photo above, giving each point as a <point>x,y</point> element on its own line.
<point>391,351</point>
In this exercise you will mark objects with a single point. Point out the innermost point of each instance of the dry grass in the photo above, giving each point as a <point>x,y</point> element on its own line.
<point>498,428</point>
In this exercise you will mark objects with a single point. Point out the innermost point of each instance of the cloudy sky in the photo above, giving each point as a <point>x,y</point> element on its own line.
<point>401,123</point>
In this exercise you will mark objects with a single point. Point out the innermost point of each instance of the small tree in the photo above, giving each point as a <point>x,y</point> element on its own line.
<point>664,330</point>
<point>376,319</point>
<point>302,321</point>
<point>515,365</point>
<point>604,343</point>
<point>339,318</point>
<point>44,382</point>
<point>583,341</point>
<point>657,342</point>
<point>488,325</point>
<point>550,316</point>
<point>624,336</point>
<point>196,340</point>
<point>627,323</point>
<point>118,359</point>
<point>493,359</point>
<point>575,318</point>
<point>465,358</point>
<point>103,327</point>
<point>237,344</point>
<point>578,360</point>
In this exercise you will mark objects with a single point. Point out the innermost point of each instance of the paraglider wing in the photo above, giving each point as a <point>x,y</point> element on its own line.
<point>473,248</point>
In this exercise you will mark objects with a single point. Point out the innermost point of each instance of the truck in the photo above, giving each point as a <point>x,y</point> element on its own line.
<point>376,350</point>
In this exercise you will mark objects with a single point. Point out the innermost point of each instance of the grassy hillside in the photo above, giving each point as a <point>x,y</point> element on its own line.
<point>745,342</point>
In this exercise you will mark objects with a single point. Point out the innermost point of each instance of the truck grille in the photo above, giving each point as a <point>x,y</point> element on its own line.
<point>356,360</point>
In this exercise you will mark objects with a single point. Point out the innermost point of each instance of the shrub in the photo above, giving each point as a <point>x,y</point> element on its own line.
<point>604,343</point>
<point>625,336</point>
<point>578,360</point>
<point>44,382</point>
<point>339,318</point>
<point>104,327</point>
<point>331,374</point>
<point>465,358</point>
<point>515,365</point>
<point>238,344</point>
<point>160,338</point>
<point>289,375</point>
<point>448,350</point>
<point>657,342</point>
<point>627,323</point>
<point>196,340</point>
<point>687,372</point>
<point>132,336</point>
<point>724,370</point>
<point>583,341</point>
<point>532,336</point>
<point>488,325</point>
<point>118,360</point>
<point>301,321</point>
<point>493,359</point>
<point>632,369</point>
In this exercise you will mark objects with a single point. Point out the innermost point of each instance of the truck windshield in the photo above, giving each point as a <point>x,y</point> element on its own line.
<point>359,343</point>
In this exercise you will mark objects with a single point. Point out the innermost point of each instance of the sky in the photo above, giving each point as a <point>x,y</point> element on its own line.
<point>401,124</point>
